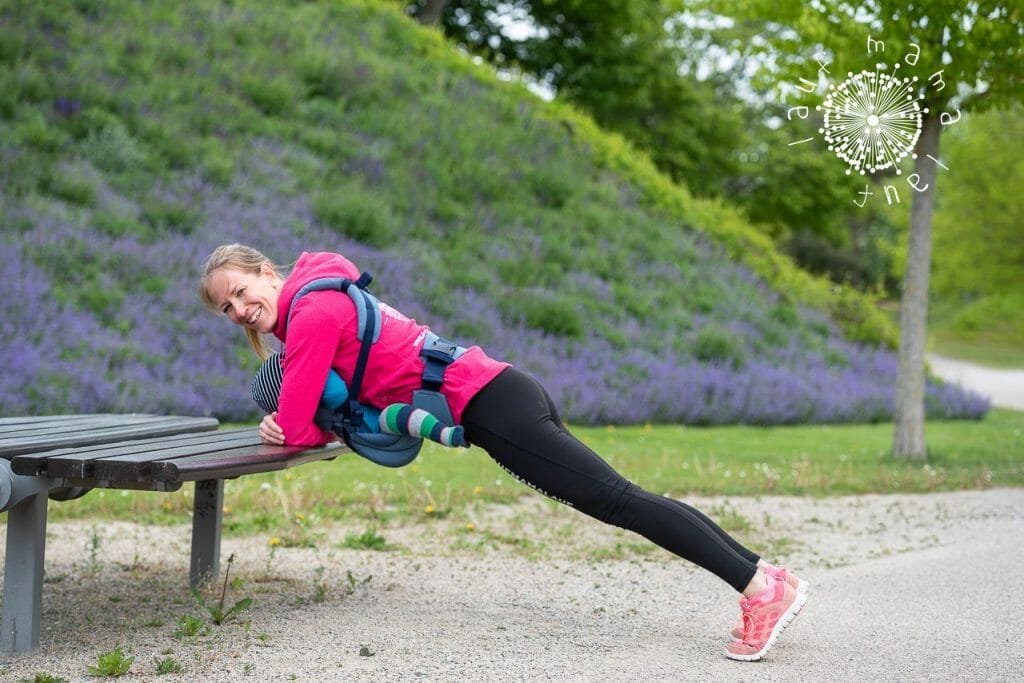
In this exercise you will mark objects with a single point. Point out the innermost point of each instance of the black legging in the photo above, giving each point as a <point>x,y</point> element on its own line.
<point>516,422</point>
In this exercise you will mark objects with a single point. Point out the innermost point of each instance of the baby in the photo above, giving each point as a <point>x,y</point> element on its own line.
<point>397,418</point>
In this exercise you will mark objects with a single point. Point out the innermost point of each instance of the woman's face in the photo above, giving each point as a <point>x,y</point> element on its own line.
<point>247,299</point>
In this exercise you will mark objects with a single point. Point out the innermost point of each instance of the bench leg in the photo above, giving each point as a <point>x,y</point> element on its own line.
<point>23,575</point>
<point>207,513</point>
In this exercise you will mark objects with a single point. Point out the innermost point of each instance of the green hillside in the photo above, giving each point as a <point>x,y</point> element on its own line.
<point>137,136</point>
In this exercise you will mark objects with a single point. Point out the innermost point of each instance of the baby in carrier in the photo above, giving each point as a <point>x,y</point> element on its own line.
<point>397,418</point>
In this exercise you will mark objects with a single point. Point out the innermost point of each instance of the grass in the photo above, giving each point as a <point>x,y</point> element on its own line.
<point>993,354</point>
<point>738,460</point>
<point>990,332</point>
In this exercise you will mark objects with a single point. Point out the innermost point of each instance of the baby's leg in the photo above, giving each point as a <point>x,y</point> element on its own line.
<point>402,418</point>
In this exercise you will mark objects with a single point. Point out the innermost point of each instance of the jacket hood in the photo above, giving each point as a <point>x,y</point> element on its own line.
<point>310,266</point>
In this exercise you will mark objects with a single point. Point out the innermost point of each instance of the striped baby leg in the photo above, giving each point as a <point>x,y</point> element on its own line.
<point>402,418</point>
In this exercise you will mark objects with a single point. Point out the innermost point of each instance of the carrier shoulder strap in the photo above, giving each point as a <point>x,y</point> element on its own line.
<point>367,305</point>
<point>367,330</point>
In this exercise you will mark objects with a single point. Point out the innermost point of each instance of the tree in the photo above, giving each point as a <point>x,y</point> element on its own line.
<point>616,60</point>
<point>972,56</point>
<point>429,12</point>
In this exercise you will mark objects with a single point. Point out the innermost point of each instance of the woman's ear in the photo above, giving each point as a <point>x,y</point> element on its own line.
<point>268,270</point>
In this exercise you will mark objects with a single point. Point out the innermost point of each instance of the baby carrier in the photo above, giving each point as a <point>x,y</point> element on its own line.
<point>390,450</point>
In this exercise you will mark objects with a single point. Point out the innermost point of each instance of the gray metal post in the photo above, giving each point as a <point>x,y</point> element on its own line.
<point>23,575</point>
<point>207,513</point>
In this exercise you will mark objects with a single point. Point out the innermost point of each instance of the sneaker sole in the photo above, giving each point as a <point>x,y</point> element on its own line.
<point>780,626</point>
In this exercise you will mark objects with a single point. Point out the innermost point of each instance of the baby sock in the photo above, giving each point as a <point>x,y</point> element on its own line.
<point>402,418</point>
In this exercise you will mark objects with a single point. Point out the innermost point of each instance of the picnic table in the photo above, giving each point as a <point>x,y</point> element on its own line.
<point>63,457</point>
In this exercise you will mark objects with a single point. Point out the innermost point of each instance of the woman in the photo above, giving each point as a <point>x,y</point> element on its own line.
<point>502,410</point>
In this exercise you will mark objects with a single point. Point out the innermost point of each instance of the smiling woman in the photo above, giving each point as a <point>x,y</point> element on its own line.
<point>246,298</point>
<point>243,285</point>
<point>503,410</point>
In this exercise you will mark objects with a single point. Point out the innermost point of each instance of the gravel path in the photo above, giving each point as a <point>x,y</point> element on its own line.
<point>903,587</point>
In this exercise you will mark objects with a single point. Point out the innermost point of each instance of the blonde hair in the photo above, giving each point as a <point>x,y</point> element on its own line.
<point>247,260</point>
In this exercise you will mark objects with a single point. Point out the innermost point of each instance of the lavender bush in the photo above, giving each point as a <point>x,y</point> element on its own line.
<point>127,154</point>
<point>159,351</point>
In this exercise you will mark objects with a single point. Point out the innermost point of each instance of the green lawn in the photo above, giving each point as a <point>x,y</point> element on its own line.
<point>815,460</point>
<point>990,333</point>
<point>994,354</point>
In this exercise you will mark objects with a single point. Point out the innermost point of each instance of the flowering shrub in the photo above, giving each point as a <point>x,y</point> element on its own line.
<point>154,348</point>
<point>127,155</point>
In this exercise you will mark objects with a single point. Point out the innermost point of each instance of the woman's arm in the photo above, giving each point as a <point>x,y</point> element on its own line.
<point>314,333</point>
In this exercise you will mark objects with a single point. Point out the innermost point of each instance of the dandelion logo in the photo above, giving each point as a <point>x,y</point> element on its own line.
<point>872,120</point>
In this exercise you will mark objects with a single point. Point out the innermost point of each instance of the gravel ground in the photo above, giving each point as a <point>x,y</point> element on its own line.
<point>903,587</point>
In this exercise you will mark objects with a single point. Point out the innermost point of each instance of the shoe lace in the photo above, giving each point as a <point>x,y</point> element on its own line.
<point>751,625</point>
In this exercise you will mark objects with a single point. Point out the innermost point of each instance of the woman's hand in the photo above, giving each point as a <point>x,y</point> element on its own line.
<point>270,431</point>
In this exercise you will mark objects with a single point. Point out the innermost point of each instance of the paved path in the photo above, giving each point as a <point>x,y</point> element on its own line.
<point>1004,387</point>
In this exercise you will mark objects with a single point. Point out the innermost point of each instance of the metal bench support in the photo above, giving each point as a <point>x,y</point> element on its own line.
<point>207,515</point>
<point>23,574</point>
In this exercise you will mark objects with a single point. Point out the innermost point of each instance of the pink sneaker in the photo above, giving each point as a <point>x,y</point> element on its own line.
<point>779,574</point>
<point>765,616</point>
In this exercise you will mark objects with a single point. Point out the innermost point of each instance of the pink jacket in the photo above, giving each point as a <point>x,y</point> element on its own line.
<point>322,335</point>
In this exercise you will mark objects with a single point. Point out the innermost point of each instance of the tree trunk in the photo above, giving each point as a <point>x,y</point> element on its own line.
<point>908,433</point>
<point>430,14</point>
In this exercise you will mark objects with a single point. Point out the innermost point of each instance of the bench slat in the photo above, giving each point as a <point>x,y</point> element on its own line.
<point>139,466</point>
<point>38,463</point>
<point>81,462</point>
<point>240,461</point>
<point>12,425</point>
<point>36,419</point>
<point>165,426</point>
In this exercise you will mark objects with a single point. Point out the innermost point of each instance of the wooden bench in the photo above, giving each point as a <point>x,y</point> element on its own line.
<point>63,457</point>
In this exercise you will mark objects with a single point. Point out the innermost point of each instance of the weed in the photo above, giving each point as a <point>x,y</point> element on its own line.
<point>217,612</point>
<point>368,540</point>
<point>354,583</point>
<point>188,626</point>
<point>47,678</point>
<point>729,519</point>
<point>112,664</point>
<point>274,544</point>
<point>94,542</point>
<point>319,587</point>
<point>301,534</point>
<point>168,665</point>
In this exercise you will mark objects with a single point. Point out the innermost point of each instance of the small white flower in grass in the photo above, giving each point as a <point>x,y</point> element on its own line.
<point>265,486</point>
